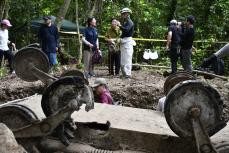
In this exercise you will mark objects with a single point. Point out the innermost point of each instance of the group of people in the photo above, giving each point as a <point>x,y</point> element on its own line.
<point>180,43</point>
<point>120,44</point>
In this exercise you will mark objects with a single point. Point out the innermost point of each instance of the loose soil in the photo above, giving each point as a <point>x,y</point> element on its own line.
<point>142,91</point>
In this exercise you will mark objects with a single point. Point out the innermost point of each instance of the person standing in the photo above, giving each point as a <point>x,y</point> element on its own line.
<point>49,38</point>
<point>4,41</point>
<point>91,45</point>
<point>173,40</point>
<point>187,39</point>
<point>112,37</point>
<point>127,43</point>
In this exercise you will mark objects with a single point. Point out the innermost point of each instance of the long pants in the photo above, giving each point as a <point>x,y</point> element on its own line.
<point>174,56</point>
<point>88,65</point>
<point>9,56</point>
<point>223,51</point>
<point>114,60</point>
<point>186,60</point>
<point>52,58</point>
<point>127,51</point>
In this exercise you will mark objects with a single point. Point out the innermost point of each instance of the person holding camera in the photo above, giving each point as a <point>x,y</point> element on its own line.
<point>113,40</point>
<point>173,40</point>
<point>187,38</point>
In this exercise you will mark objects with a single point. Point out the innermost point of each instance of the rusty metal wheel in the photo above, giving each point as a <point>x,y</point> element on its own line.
<point>61,92</point>
<point>26,57</point>
<point>76,73</point>
<point>222,147</point>
<point>186,95</point>
<point>176,78</point>
<point>16,116</point>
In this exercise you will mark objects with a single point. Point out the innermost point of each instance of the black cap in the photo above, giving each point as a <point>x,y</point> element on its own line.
<point>191,19</point>
<point>47,18</point>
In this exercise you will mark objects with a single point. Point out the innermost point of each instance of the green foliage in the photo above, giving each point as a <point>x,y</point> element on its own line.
<point>3,72</point>
<point>151,18</point>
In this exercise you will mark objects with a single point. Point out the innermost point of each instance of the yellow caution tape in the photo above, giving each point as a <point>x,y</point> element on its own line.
<point>143,39</point>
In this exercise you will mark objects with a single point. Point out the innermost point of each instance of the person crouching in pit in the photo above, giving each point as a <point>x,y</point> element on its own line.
<point>102,91</point>
<point>127,43</point>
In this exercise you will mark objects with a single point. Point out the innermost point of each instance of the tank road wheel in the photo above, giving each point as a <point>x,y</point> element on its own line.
<point>176,78</point>
<point>190,94</point>
<point>16,116</point>
<point>30,56</point>
<point>76,73</point>
<point>62,92</point>
<point>66,91</point>
<point>222,147</point>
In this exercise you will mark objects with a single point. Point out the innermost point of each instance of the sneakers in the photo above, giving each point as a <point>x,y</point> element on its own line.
<point>92,74</point>
<point>87,75</point>
<point>12,72</point>
<point>128,77</point>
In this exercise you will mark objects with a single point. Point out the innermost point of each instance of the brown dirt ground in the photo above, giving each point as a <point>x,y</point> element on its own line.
<point>142,91</point>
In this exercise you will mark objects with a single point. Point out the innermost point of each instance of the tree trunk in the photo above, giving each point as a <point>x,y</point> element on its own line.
<point>7,8</point>
<point>92,12</point>
<point>3,4</point>
<point>78,31</point>
<point>62,13</point>
<point>172,10</point>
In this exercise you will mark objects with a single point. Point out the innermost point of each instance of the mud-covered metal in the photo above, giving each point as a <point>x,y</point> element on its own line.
<point>27,60</point>
<point>61,92</point>
<point>176,78</point>
<point>187,95</point>
<point>59,101</point>
<point>76,73</point>
<point>16,116</point>
<point>222,147</point>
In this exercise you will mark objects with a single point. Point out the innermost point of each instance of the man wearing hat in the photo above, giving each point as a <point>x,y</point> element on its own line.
<point>127,43</point>
<point>48,36</point>
<point>101,90</point>
<point>187,39</point>
<point>4,41</point>
<point>173,40</point>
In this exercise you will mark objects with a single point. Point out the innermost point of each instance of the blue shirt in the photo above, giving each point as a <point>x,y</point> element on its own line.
<point>49,38</point>
<point>91,35</point>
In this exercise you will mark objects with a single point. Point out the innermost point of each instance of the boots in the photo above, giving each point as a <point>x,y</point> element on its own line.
<point>208,61</point>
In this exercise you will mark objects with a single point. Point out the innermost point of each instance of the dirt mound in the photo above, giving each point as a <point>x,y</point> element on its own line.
<point>12,87</point>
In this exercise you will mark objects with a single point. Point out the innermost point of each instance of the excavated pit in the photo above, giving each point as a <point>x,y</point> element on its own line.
<point>143,91</point>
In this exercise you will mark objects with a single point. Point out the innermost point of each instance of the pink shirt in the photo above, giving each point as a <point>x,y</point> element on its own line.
<point>106,98</point>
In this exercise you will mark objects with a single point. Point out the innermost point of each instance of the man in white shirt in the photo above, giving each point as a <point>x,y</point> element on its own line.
<point>4,41</point>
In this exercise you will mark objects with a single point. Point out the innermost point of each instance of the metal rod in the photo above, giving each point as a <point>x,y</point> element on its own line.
<point>42,76</point>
